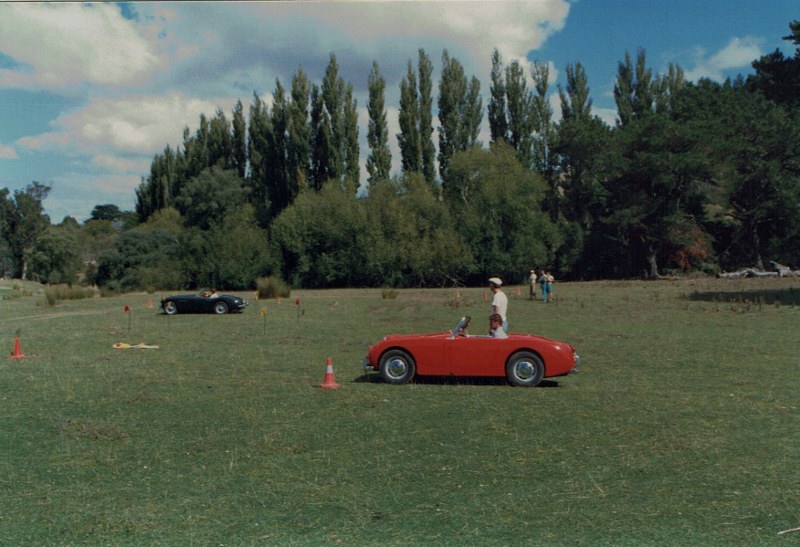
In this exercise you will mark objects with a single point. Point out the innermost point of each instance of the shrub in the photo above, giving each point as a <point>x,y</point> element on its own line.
<point>272,287</point>
<point>56,293</point>
<point>389,294</point>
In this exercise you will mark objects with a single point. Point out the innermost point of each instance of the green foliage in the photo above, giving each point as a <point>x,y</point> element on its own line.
<point>379,162</point>
<point>22,221</point>
<point>318,238</point>
<point>214,193</point>
<point>272,287</point>
<point>236,253</point>
<point>56,256</point>
<point>411,239</point>
<point>496,206</point>
<point>147,257</point>
<point>460,112</point>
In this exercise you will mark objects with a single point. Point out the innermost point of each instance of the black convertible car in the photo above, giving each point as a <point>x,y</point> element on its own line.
<point>198,303</point>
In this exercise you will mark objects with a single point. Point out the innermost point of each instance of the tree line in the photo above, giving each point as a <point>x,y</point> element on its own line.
<point>692,177</point>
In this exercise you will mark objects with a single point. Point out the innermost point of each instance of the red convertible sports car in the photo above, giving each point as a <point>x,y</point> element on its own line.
<point>522,358</point>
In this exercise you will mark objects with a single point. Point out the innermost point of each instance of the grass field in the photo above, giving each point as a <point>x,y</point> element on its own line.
<point>681,429</point>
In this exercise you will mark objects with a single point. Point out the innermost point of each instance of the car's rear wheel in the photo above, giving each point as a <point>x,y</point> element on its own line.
<point>220,308</point>
<point>397,367</point>
<point>170,307</point>
<point>524,369</point>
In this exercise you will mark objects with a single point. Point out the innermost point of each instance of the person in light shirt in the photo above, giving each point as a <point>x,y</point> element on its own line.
<point>496,326</point>
<point>499,300</point>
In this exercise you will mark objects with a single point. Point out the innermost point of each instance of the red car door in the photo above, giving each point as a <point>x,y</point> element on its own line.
<point>474,356</point>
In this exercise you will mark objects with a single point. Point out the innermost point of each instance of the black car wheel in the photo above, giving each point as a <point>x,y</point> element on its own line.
<point>524,369</point>
<point>220,308</point>
<point>170,307</point>
<point>397,367</point>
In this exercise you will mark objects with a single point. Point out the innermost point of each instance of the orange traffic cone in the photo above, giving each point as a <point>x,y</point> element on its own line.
<point>150,303</point>
<point>517,291</point>
<point>330,379</point>
<point>17,353</point>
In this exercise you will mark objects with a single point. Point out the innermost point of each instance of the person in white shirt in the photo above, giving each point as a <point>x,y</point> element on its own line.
<point>499,301</point>
<point>496,326</point>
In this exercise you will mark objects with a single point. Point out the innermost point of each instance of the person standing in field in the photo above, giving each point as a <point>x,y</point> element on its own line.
<point>546,281</point>
<point>499,300</point>
<point>532,283</point>
<point>543,276</point>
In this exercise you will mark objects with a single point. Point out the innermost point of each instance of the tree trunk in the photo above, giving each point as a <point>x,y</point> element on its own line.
<point>651,260</point>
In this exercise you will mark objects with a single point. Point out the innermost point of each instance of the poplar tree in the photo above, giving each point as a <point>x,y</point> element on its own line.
<point>333,101</point>
<point>341,110</point>
<point>259,130</point>
<point>498,123</point>
<point>633,92</point>
<point>460,112</point>
<point>321,148</point>
<point>379,162</point>
<point>521,114</point>
<point>299,133</point>
<point>277,172</point>
<point>239,141</point>
<point>350,148</point>
<point>544,131</point>
<point>409,138</point>
<point>428,151</point>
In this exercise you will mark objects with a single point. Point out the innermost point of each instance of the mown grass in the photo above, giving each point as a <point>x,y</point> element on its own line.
<point>680,429</point>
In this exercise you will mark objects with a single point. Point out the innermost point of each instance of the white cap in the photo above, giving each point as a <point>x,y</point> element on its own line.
<point>496,281</point>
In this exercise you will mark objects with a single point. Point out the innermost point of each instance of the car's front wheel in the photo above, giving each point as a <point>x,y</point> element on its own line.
<point>397,367</point>
<point>220,308</point>
<point>170,307</point>
<point>524,369</point>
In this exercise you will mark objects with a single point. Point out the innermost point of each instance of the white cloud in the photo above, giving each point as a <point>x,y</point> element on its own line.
<point>58,46</point>
<point>608,115</point>
<point>135,126</point>
<point>7,153</point>
<point>737,54</point>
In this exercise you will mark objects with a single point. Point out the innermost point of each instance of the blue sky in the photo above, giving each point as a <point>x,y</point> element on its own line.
<point>90,92</point>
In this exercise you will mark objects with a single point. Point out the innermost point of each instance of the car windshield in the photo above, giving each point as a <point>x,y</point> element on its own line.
<point>462,325</point>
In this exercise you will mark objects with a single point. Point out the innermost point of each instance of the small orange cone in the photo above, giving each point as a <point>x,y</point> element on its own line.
<point>17,353</point>
<point>517,291</point>
<point>330,379</point>
<point>150,303</point>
